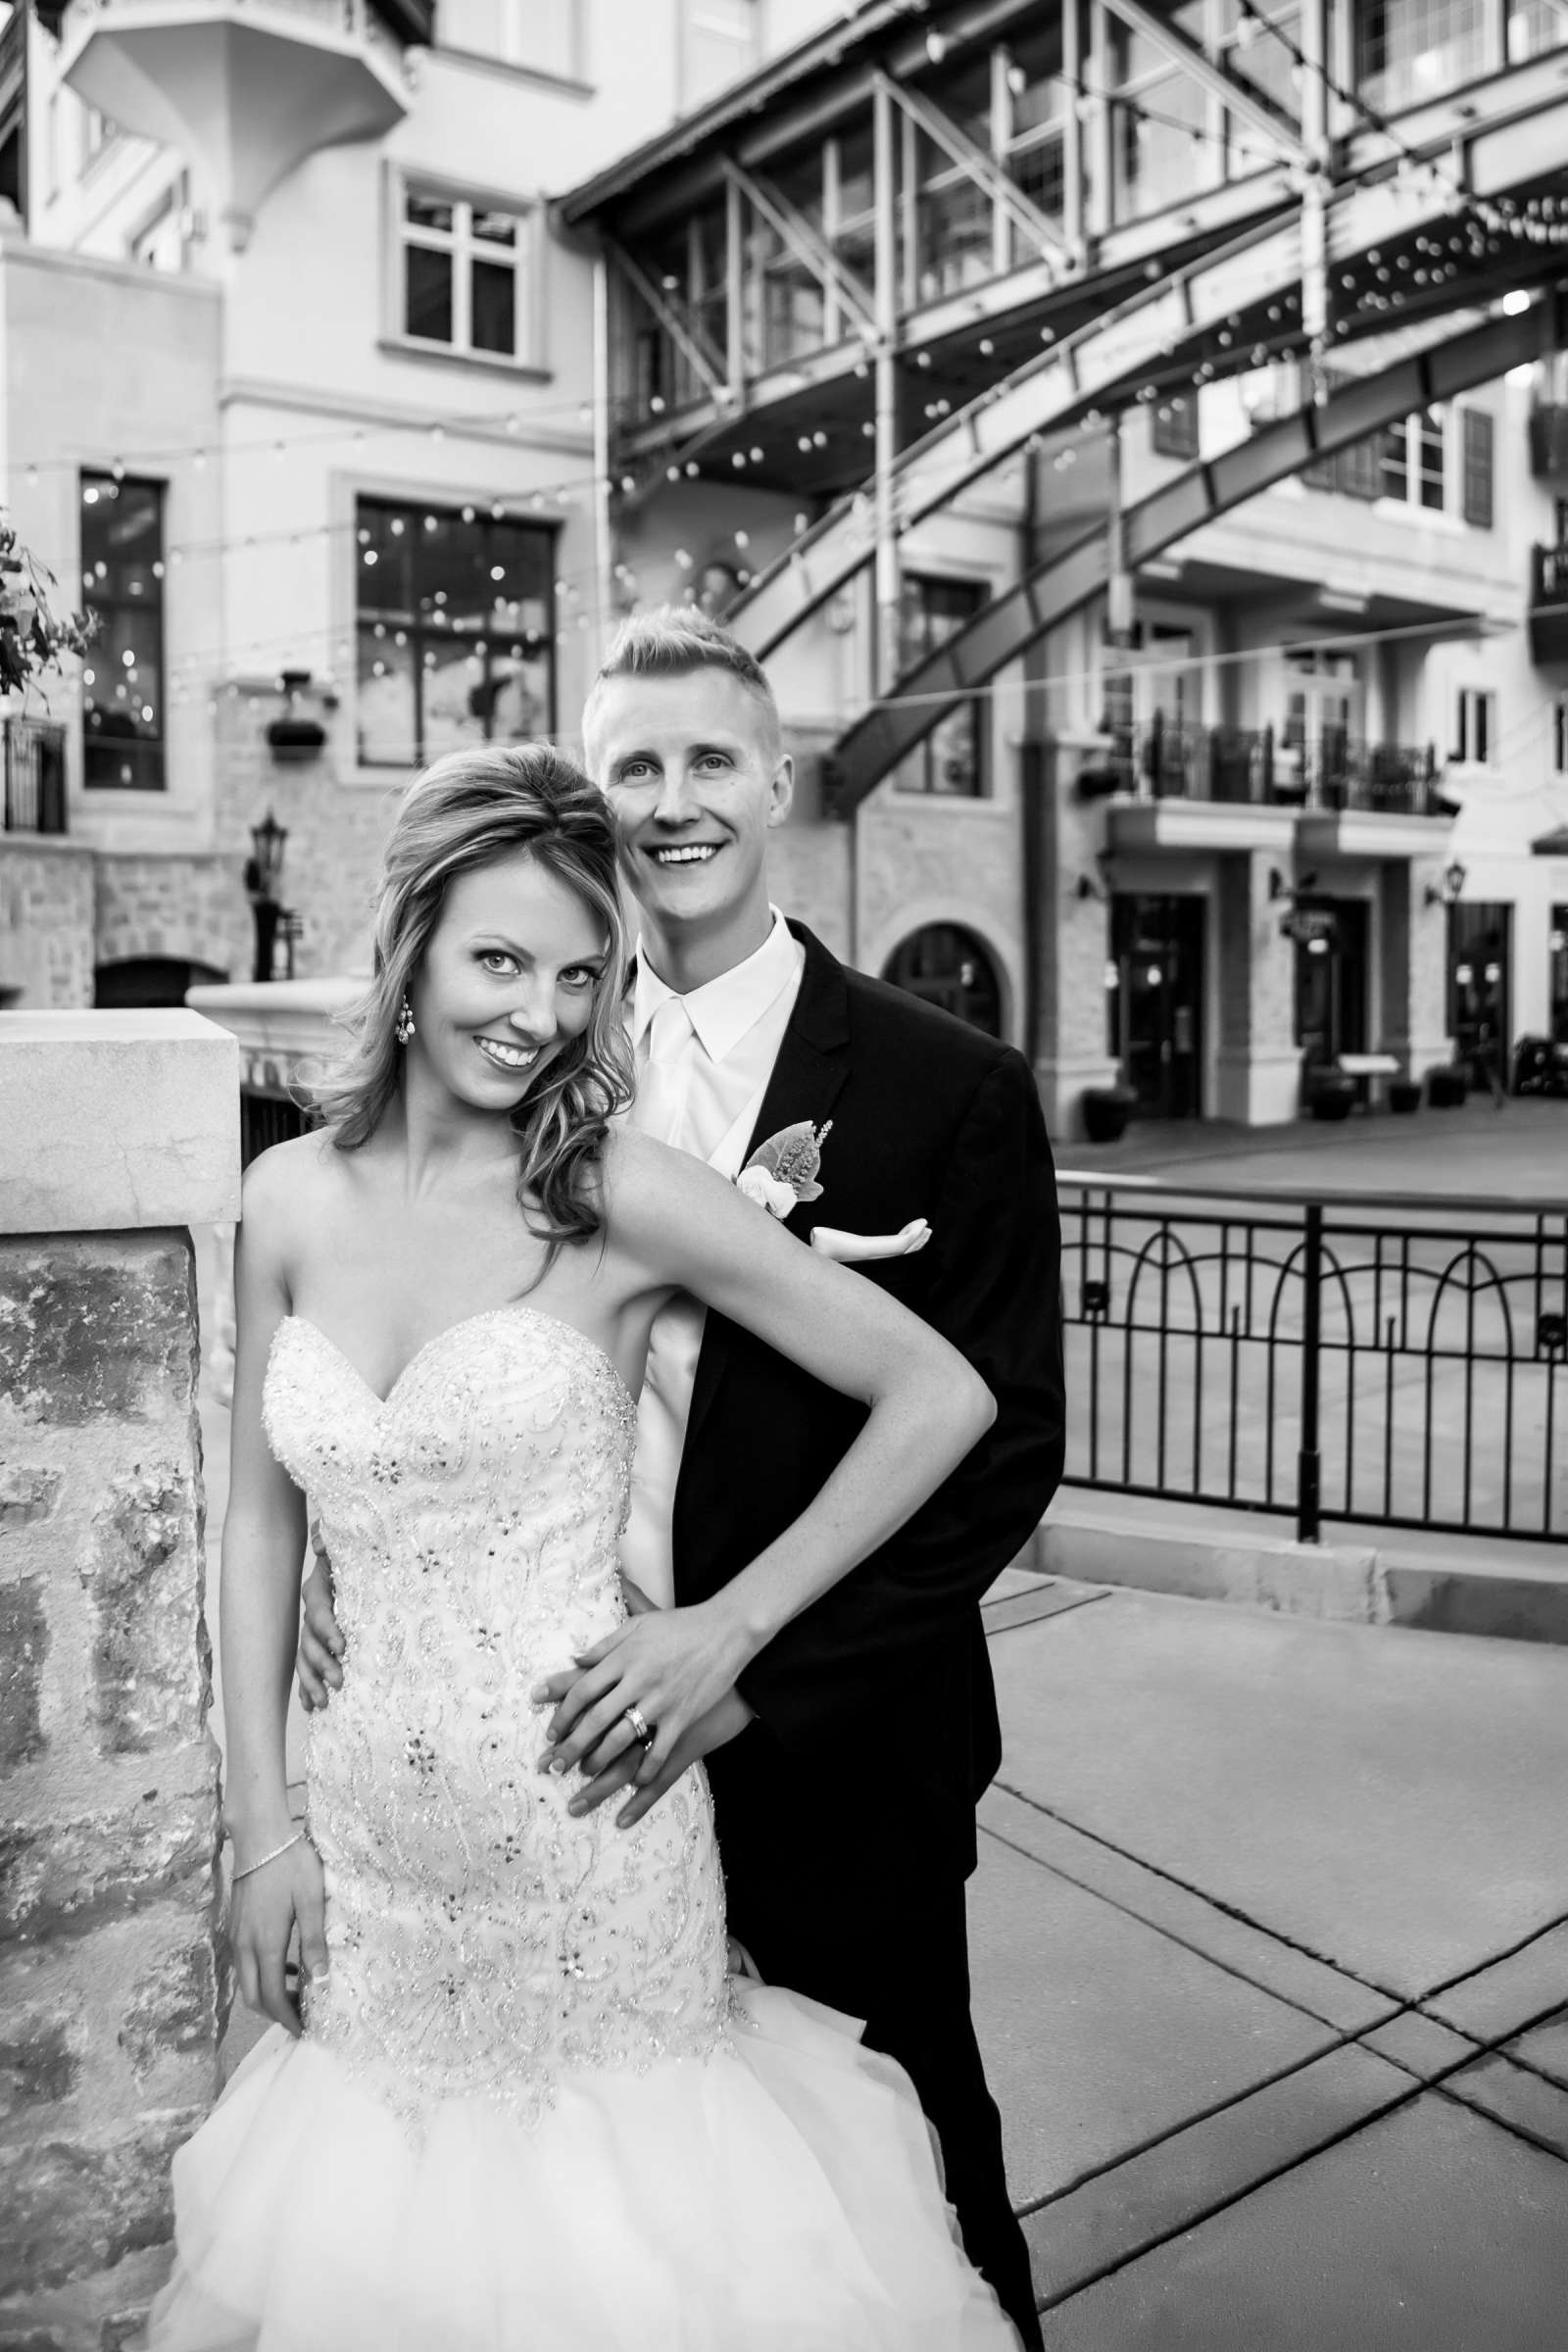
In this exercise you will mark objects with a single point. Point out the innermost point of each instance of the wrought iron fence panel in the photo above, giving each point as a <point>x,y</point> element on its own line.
<point>1354,1358</point>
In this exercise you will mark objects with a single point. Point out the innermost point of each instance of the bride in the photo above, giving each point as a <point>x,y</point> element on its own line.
<point>525,2102</point>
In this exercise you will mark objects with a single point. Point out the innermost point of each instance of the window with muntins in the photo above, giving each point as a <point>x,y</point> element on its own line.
<point>464,275</point>
<point>1475,733</point>
<point>123,673</point>
<point>455,613</point>
<point>1475,463</point>
<point>951,762</point>
<point>1174,429</point>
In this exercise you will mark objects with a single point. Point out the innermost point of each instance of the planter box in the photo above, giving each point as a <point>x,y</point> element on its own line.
<point>1106,1111</point>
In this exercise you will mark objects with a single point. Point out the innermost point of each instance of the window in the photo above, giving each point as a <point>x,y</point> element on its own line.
<point>123,676</point>
<point>1412,51</point>
<point>1474,461</point>
<point>543,35</point>
<point>1413,459</point>
<point>159,243</point>
<point>465,275</point>
<point>948,967</point>
<point>456,631</point>
<point>718,43</point>
<point>951,762</point>
<point>1174,432</point>
<point>1475,734</point>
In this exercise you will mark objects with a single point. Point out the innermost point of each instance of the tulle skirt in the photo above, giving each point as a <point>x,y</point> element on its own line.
<point>779,2196</point>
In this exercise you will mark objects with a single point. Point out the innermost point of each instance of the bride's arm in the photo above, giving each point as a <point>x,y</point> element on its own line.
<point>264,1545</point>
<point>926,1409</point>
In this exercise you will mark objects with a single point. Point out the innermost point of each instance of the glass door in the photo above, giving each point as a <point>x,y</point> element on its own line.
<point>1331,979</point>
<point>1156,1002</point>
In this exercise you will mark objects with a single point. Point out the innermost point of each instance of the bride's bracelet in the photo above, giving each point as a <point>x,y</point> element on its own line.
<point>251,1868</point>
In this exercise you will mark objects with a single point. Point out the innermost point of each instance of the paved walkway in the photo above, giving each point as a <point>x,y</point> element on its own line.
<point>1517,1154</point>
<point>1271,1968</point>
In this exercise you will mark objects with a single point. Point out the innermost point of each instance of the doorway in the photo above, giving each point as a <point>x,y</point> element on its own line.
<point>1480,997</point>
<point>1154,992</point>
<point>950,967</point>
<point>1332,958</point>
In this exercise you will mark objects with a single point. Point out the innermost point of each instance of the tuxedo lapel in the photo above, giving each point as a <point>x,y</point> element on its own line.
<point>812,1063</point>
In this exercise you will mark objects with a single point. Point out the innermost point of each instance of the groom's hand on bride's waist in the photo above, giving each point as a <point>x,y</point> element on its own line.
<point>320,1644</point>
<point>723,1722</point>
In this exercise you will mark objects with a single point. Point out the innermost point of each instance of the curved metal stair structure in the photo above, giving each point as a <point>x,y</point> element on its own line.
<point>924,696</point>
<point>1215,313</point>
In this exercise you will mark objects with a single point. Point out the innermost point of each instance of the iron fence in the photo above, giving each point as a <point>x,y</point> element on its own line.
<point>1347,1358</point>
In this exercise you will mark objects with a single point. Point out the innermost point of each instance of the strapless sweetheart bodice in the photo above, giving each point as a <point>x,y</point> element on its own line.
<point>481,1939</point>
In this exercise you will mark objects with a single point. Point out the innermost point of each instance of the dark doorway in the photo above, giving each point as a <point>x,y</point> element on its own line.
<point>1480,1000</point>
<point>149,980</point>
<point>1332,945</point>
<point>1155,990</point>
<point>948,967</point>
<point>1557,975</point>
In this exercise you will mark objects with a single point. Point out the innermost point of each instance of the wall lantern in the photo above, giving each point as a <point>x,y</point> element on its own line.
<point>263,882</point>
<point>293,737</point>
<point>1447,892</point>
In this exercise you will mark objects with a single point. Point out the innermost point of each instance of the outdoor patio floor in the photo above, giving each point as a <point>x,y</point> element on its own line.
<point>1271,1970</point>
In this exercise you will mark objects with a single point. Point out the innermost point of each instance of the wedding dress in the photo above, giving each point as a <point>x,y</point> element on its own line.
<point>530,2108</point>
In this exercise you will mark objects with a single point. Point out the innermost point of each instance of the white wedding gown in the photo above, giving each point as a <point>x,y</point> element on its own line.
<point>530,2108</point>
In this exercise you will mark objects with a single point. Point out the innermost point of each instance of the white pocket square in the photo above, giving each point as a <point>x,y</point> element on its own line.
<point>858,1248</point>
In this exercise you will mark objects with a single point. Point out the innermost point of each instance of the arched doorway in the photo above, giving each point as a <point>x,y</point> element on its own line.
<point>948,967</point>
<point>149,980</point>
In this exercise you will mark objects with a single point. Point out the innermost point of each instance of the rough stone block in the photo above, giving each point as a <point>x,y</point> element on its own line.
<point>41,2058</point>
<point>111,1121</point>
<point>91,1329</point>
<point>71,1870</point>
<point>27,1492</point>
<point>83,2200</point>
<point>103,2313</point>
<point>172,2010</point>
<point>24,1647</point>
<point>143,1574</point>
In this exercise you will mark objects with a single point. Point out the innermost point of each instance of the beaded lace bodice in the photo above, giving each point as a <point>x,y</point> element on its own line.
<point>482,1941</point>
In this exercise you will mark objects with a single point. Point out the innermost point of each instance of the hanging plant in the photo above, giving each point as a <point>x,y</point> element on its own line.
<point>34,631</point>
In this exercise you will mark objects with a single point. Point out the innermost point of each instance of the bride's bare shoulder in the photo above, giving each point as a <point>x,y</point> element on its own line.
<point>645,1181</point>
<point>287,1188</point>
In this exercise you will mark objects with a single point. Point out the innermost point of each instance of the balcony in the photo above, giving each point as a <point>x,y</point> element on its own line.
<point>33,758</point>
<point>248,87</point>
<point>1548,443</point>
<point>1548,603</point>
<point>1234,787</point>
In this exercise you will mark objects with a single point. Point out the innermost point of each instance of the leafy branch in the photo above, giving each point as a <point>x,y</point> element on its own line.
<point>34,632</point>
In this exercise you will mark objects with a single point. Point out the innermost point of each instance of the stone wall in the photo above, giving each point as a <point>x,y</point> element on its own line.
<point>191,908</point>
<point>46,921</point>
<point>112,1987</point>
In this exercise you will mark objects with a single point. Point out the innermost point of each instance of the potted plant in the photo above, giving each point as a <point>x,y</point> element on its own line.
<point>1106,1111</point>
<point>1330,1095</point>
<point>1404,1095</point>
<point>1446,1087</point>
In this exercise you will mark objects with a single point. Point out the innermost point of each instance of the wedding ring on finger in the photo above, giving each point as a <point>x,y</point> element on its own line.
<point>640,1731</point>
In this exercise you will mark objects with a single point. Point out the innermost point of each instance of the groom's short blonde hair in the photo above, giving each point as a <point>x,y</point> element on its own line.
<point>671,643</point>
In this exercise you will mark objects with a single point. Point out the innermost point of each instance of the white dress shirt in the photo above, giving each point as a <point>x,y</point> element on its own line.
<point>705,1098</point>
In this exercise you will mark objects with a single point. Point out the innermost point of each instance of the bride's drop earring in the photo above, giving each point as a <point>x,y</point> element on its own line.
<point>404,1027</point>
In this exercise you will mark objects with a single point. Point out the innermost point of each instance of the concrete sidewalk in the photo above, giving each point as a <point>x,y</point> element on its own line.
<point>1272,1969</point>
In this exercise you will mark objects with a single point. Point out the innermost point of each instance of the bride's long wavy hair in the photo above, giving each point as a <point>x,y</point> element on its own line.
<point>467,810</point>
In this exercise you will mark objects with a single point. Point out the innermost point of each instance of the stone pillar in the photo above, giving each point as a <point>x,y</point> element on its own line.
<point>1413,972</point>
<point>1068,934</point>
<point>118,1131</point>
<point>1259,1063</point>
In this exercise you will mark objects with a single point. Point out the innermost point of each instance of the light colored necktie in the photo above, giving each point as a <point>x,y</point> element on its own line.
<point>668,1074</point>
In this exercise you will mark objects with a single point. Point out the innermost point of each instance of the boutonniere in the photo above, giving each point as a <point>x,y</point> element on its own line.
<point>783,1170</point>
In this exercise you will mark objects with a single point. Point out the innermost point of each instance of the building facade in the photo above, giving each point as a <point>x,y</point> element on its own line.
<point>361,434</point>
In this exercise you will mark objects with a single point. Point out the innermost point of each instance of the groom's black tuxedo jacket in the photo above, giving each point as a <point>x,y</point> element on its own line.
<point>885,1681</point>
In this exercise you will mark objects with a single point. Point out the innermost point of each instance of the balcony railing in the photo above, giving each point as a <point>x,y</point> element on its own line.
<point>1548,605</point>
<point>33,756</point>
<point>1267,768</point>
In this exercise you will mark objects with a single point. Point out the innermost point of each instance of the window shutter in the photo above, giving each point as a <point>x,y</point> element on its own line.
<point>1321,473</point>
<point>1477,466</point>
<point>1361,468</point>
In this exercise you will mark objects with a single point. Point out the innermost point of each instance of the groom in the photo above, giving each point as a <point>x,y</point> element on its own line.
<point>846,1769</point>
